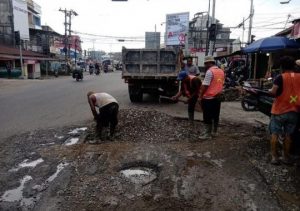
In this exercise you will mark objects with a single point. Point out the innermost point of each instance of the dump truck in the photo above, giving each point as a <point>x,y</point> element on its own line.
<point>152,71</point>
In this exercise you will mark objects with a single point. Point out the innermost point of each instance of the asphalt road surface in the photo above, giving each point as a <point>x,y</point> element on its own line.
<point>28,105</point>
<point>32,104</point>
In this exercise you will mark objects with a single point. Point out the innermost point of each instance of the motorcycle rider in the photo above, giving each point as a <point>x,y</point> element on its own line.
<point>97,68</point>
<point>209,97</point>
<point>108,111</point>
<point>285,108</point>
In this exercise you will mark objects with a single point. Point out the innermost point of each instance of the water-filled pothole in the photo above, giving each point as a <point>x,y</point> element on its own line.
<point>140,173</point>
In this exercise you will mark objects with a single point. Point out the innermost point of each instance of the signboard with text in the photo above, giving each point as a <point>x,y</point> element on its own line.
<point>177,27</point>
<point>21,18</point>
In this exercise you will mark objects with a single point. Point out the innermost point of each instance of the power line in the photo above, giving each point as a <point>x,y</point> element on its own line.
<point>272,24</point>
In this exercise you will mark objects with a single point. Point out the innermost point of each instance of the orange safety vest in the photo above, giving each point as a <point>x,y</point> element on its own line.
<point>216,85</point>
<point>289,100</point>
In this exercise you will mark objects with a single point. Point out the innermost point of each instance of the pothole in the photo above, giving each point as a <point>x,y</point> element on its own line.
<point>140,174</point>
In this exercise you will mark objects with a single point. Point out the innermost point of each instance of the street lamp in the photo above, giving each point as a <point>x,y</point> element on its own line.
<point>285,2</point>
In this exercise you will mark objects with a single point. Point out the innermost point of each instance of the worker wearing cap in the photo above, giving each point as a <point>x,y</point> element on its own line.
<point>209,97</point>
<point>190,87</point>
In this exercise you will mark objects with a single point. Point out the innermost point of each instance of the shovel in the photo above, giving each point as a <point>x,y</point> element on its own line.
<point>197,106</point>
<point>169,98</point>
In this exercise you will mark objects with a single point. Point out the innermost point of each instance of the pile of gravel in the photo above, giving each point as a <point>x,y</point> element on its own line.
<point>137,125</point>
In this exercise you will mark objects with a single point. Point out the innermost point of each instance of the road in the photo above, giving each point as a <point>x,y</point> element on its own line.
<point>33,104</point>
<point>28,105</point>
<point>155,162</point>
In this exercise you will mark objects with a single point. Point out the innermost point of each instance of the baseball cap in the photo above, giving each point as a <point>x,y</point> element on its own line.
<point>182,75</point>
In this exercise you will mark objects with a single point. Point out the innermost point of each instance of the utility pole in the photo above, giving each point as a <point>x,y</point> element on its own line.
<point>66,29</point>
<point>69,37</point>
<point>207,29</point>
<point>67,44</point>
<point>287,20</point>
<point>211,45</point>
<point>75,51</point>
<point>47,47</point>
<point>243,31</point>
<point>250,22</point>
<point>21,59</point>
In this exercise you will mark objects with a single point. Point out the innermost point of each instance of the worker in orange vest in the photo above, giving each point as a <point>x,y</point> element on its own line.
<point>209,98</point>
<point>285,108</point>
<point>190,87</point>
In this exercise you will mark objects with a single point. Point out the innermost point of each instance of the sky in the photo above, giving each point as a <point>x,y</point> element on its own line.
<point>110,20</point>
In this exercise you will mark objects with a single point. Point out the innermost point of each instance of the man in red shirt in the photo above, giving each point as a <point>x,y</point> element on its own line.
<point>190,87</point>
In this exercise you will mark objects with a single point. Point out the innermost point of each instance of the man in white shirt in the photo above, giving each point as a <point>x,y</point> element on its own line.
<point>108,110</point>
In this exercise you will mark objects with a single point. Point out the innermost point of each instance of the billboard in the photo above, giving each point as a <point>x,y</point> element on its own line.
<point>177,27</point>
<point>21,18</point>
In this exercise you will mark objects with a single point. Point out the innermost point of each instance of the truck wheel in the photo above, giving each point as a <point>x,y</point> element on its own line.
<point>135,94</point>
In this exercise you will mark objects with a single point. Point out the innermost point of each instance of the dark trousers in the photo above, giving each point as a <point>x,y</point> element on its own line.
<point>108,116</point>
<point>211,110</point>
<point>192,104</point>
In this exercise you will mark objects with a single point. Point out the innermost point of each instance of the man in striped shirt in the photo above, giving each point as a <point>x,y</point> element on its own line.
<point>210,91</point>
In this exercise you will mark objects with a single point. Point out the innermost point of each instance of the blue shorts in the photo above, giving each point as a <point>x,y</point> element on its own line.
<point>283,124</point>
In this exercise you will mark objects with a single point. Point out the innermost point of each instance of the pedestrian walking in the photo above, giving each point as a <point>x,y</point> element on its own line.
<point>8,69</point>
<point>108,111</point>
<point>209,98</point>
<point>190,87</point>
<point>285,109</point>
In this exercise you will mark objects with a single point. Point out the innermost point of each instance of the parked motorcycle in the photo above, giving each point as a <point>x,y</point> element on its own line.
<point>254,97</point>
<point>234,77</point>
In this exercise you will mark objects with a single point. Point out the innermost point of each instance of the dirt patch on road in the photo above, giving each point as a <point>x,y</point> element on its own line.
<point>167,168</point>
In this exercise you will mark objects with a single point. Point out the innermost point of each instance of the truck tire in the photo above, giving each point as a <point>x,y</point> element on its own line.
<point>135,94</point>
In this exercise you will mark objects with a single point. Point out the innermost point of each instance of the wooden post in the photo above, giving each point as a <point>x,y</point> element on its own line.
<point>255,66</point>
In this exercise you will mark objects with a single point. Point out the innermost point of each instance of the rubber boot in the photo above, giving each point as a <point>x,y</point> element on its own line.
<point>215,130</point>
<point>207,132</point>
<point>191,116</point>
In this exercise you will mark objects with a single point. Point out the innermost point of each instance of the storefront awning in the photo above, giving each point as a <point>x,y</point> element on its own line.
<point>12,57</point>
<point>271,44</point>
<point>10,53</point>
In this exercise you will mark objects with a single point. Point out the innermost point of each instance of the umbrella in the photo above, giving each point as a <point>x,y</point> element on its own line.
<point>271,44</point>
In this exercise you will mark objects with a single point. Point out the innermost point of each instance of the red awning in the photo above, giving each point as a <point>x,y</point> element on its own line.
<point>12,57</point>
<point>10,53</point>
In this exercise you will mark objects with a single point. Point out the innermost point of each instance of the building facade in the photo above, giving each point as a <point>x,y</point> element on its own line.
<point>6,23</point>
<point>198,36</point>
<point>152,40</point>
